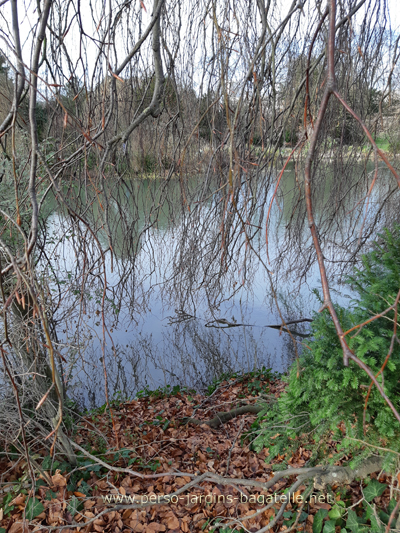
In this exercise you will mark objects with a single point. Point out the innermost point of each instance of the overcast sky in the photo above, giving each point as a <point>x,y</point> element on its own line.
<point>27,17</point>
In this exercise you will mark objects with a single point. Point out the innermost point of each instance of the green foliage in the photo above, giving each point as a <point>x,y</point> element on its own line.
<point>352,522</point>
<point>148,163</point>
<point>288,137</point>
<point>85,488</point>
<point>50,495</point>
<point>373,101</point>
<point>373,489</point>
<point>74,506</point>
<point>328,397</point>
<point>257,139</point>
<point>365,520</point>
<point>382,142</point>
<point>329,527</point>
<point>319,520</point>
<point>291,137</point>
<point>386,516</point>
<point>337,510</point>
<point>254,378</point>
<point>7,508</point>
<point>138,462</point>
<point>290,517</point>
<point>41,119</point>
<point>33,508</point>
<point>51,465</point>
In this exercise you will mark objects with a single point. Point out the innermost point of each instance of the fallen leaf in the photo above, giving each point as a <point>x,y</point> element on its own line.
<point>172,521</point>
<point>18,527</point>
<point>58,480</point>
<point>154,527</point>
<point>127,513</point>
<point>18,500</point>
<point>89,504</point>
<point>319,505</point>
<point>137,527</point>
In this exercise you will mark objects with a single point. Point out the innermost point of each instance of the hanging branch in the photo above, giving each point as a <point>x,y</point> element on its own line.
<point>330,90</point>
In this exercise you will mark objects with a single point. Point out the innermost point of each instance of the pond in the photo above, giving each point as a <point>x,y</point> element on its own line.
<point>172,283</point>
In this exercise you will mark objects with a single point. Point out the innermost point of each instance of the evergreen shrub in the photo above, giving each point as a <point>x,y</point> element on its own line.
<point>328,398</point>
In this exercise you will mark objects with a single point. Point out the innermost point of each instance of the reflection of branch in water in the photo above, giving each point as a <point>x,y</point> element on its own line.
<point>282,327</point>
<point>289,322</point>
<point>185,353</point>
<point>181,316</point>
<point>293,332</point>
<point>226,323</point>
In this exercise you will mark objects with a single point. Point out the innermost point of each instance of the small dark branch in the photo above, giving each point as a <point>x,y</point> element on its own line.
<point>306,104</point>
<point>394,337</point>
<point>233,445</point>
<point>20,71</point>
<point>223,417</point>
<point>393,514</point>
<point>373,378</point>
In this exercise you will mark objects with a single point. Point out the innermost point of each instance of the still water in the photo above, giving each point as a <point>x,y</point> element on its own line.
<point>173,285</point>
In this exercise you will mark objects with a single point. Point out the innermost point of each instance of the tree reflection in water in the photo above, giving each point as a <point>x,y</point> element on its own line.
<point>141,315</point>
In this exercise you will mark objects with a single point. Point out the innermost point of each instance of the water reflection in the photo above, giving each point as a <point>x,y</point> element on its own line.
<point>133,296</point>
<point>187,354</point>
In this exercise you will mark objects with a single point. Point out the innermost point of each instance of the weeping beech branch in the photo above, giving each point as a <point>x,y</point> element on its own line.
<point>154,109</point>
<point>330,90</point>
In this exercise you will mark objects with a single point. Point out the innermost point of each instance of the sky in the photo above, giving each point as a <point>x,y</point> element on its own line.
<point>27,14</point>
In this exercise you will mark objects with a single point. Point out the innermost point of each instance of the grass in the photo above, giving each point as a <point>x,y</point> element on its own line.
<point>383,143</point>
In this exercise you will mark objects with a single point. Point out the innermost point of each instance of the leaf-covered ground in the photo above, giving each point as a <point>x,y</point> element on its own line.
<point>147,435</point>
